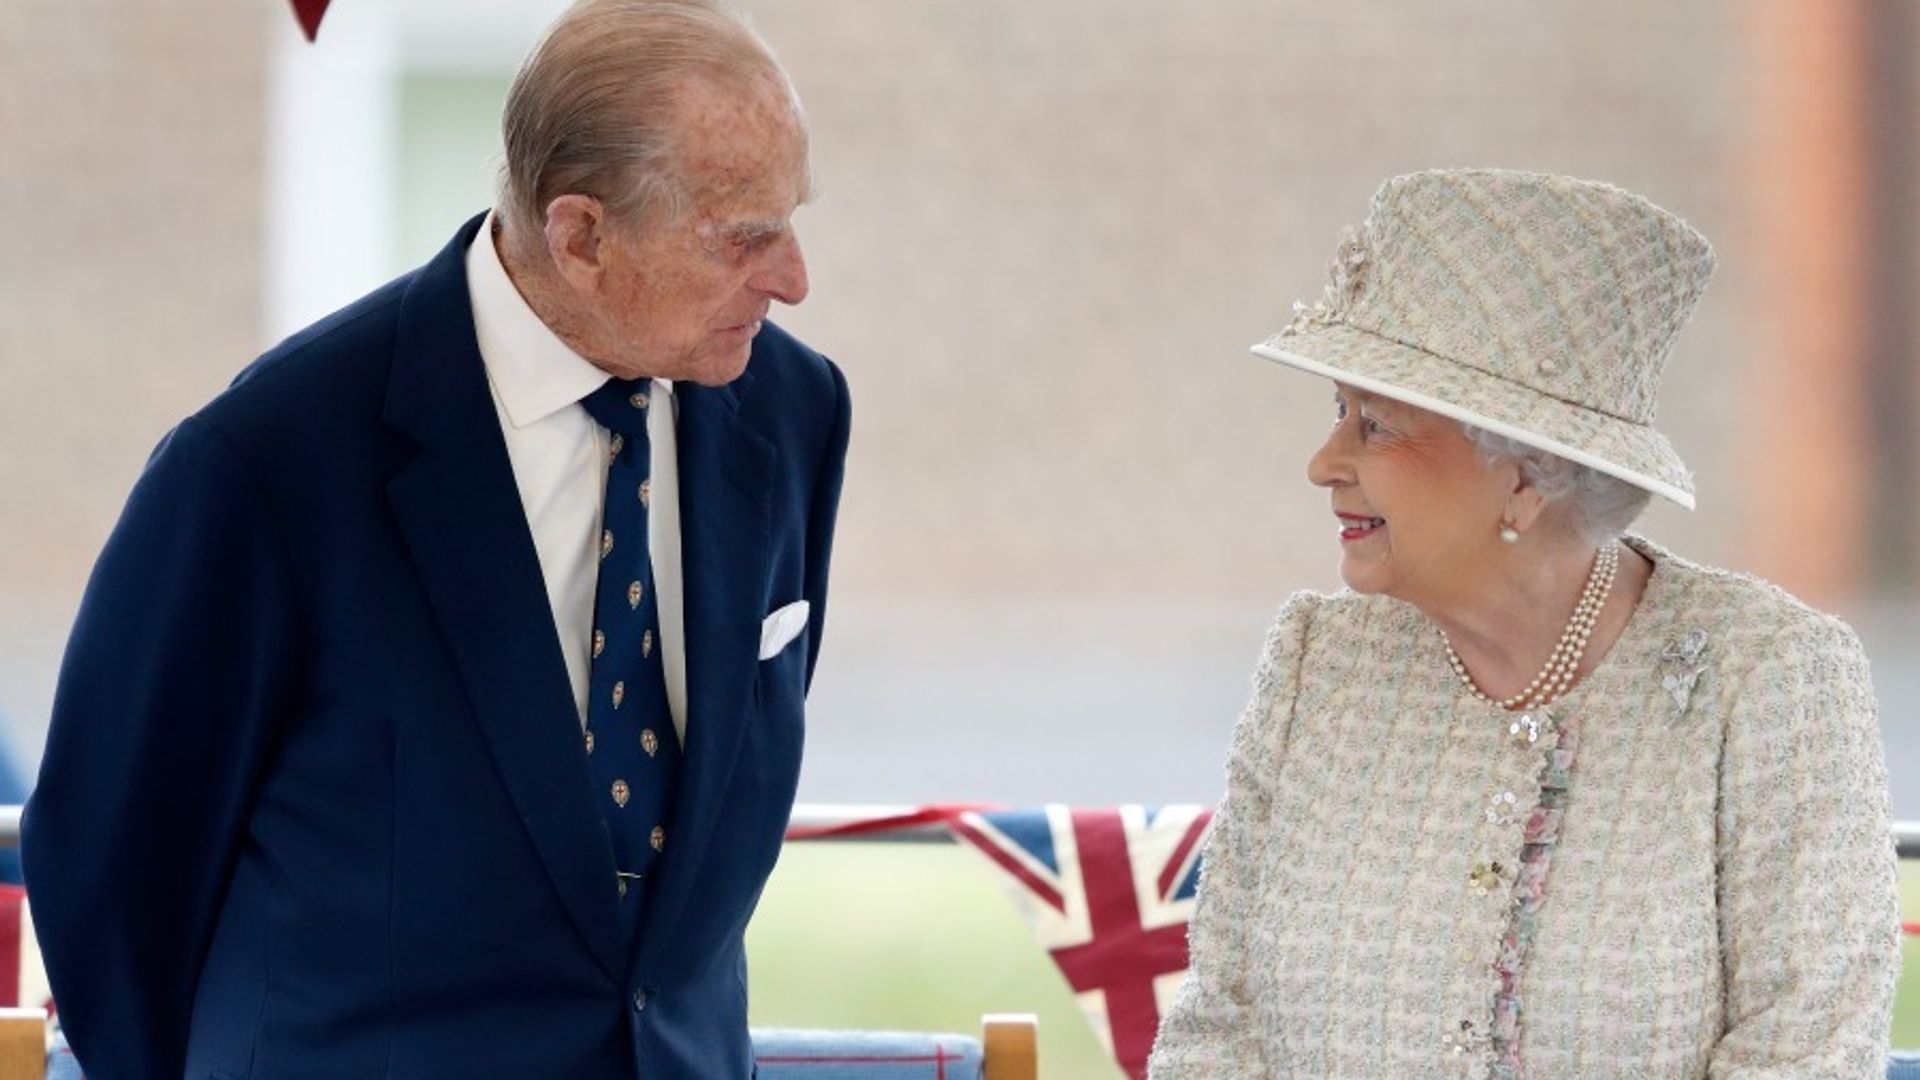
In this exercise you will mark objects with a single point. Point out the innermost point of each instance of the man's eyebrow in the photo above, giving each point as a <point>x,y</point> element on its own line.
<point>754,230</point>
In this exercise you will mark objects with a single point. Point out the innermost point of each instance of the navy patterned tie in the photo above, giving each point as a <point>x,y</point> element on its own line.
<point>633,754</point>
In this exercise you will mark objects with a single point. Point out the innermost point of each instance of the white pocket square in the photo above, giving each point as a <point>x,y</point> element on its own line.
<point>780,628</point>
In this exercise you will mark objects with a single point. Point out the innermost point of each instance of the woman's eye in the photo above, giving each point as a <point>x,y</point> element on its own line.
<point>1372,426</point>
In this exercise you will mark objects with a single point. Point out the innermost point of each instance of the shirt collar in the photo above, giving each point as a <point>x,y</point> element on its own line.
<point>532,370</point>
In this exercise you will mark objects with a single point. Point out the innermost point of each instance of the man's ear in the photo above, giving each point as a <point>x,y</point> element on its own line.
<point>576,230</point>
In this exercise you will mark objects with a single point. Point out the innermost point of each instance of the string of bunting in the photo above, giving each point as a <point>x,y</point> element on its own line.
<point>1107,892</point>
<point>309,13</point>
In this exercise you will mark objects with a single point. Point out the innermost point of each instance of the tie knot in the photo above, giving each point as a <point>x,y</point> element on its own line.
<point>620,405</point>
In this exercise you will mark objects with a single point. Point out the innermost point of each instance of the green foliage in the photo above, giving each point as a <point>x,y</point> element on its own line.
<point>916,937</point>
<point>1906,1002</point>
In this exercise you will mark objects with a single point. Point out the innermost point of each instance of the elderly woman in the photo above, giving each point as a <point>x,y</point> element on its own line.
<point>1533,797</point>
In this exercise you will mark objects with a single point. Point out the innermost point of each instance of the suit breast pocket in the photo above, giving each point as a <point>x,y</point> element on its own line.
<point>780,680</point>
<point>778,728</point>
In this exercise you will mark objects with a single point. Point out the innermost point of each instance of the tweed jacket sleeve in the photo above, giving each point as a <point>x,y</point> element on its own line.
<point>1209,1032</point>
<point>1807,893</point>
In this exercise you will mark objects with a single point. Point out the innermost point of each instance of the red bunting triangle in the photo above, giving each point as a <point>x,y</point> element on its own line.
<point>309,12</point>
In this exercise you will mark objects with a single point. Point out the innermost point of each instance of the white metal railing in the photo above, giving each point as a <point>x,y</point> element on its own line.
<point>819,816</point>
<point>815,817</point>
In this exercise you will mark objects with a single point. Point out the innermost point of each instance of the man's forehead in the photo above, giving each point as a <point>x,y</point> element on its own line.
<point>731,164</point>
<point>751,201</point>
<point>721,119</point>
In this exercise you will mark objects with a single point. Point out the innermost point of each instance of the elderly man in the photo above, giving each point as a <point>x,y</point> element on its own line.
<point>435,709</point>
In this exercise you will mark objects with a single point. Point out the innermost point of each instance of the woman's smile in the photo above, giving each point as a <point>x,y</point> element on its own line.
<point>1358,526</point>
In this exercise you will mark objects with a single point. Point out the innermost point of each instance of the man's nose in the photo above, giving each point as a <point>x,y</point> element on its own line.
<point>785,276</point>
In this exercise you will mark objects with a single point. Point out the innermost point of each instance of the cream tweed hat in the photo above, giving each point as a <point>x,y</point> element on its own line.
<point>1537,307</point>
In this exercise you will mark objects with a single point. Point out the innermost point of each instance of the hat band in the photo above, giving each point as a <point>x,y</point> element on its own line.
<point>1477,369</point>
<point>1498,427</point>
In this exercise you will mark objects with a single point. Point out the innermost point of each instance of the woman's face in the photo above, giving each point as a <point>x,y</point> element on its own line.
<point>1418,509</point>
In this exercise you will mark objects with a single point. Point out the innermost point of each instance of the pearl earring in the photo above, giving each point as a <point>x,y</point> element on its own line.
<point>1509,534</point>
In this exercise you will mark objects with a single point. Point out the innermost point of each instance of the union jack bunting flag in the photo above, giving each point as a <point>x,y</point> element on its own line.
<point>309,13</point>
<point>1109,894</point>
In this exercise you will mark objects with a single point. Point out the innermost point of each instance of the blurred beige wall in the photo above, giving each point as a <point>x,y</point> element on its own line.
<point>1047,233</point>
<point>130,200</point>
<point>130,204</point>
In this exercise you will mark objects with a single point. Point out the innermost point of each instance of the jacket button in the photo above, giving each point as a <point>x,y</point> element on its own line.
<point>639,1001</point>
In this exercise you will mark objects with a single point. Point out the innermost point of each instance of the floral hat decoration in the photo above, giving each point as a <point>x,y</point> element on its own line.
<point>1538,307</point>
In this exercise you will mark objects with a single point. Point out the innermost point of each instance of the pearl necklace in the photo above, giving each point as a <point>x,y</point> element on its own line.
<point>1557,676</point>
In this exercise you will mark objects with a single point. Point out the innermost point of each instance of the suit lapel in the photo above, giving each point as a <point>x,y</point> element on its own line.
<point>459,511</point>
<point>726,518</point>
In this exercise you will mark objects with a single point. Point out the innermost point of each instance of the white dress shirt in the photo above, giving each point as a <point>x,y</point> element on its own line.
<point>559,457</point>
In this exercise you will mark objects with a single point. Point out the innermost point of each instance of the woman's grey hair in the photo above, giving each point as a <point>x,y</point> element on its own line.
<point>1600,507</point>
<point>591,110</point>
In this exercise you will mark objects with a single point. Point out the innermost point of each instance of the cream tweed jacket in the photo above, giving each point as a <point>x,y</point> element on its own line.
<point>1720,902</point>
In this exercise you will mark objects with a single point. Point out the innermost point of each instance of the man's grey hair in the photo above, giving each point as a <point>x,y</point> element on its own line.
<point>591,110</point>
<point>1600,507</point>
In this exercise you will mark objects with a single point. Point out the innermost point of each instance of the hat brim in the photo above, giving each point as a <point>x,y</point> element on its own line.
<point>1632,452</point>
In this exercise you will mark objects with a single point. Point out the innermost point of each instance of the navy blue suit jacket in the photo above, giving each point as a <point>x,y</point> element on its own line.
<point>315,801</point>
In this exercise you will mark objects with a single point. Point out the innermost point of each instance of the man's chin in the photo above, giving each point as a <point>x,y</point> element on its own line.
<point>723,367</point>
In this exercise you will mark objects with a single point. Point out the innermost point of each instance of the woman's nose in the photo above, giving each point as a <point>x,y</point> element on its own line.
<point>1328,466</point>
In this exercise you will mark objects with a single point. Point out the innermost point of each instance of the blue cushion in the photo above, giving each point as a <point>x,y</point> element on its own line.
<point>60,1063</point>
<point>808,1054</point>
<point>1901,1065</point>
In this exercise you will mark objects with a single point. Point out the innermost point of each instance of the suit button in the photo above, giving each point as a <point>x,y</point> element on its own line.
<point>639,1001</point>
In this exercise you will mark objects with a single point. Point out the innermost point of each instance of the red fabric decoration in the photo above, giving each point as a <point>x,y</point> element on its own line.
<point>310,12</point>
<point>12,899</point>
